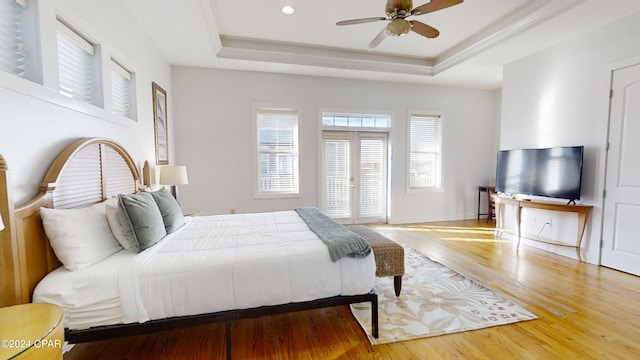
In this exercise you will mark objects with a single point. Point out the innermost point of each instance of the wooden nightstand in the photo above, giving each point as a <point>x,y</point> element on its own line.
<point>31,331</point>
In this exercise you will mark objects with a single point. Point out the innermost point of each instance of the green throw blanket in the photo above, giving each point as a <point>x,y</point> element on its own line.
<point>340,241</point>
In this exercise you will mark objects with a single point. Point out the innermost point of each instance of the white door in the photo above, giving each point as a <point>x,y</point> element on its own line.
<point>354,168</point>
<point>621,227</point>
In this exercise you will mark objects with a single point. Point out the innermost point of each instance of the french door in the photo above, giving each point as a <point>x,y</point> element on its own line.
<point>354,176</point>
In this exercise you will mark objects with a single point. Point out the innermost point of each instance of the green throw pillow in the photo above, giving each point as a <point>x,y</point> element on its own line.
<point>169,208</point>
<point>144,217</point>
<point>121,226</point>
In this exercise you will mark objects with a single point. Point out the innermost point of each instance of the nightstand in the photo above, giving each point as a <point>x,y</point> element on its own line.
<point>190,212</point>
<point>31,331</point>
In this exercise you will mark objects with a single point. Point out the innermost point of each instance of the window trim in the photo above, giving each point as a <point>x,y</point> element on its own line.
<point>440,182</point>
<point>256,107</point>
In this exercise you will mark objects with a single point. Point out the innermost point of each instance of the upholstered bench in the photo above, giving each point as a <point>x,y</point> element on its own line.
<point>389,255</point>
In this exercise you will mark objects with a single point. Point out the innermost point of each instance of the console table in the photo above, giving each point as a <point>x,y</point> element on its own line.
<point>581,210</point>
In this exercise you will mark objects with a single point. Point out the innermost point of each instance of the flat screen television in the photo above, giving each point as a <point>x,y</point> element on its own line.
<point>551,172</point>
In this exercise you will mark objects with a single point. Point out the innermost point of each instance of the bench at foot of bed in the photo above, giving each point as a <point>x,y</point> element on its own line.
<point>389,254</point>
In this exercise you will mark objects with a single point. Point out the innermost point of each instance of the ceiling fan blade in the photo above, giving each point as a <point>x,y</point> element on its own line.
<point>360,21</point>
<point>378,39</point>
<point>434,5</point>
<point>424,29</point>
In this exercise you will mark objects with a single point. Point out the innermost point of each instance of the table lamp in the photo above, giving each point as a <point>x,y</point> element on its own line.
<point>174,175</point>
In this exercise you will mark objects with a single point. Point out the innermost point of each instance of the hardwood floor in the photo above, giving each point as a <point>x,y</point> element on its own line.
<point>585,312</point>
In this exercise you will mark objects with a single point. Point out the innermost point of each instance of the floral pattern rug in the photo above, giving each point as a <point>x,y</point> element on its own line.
<point>435,300</point>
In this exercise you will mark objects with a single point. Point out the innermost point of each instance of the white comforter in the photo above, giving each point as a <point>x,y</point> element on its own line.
<point>217,263</point>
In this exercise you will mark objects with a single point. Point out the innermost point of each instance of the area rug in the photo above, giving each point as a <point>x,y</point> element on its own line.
<point>435,300</point>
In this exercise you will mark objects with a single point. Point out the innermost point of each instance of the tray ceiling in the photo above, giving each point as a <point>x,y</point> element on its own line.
<point>476,38</point>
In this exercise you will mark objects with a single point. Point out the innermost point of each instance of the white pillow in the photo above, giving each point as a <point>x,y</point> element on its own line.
<point>79,237</point>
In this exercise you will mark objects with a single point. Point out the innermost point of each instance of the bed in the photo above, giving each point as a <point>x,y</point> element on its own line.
<point>234,266</point>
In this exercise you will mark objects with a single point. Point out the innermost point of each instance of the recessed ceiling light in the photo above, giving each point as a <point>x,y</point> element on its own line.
<point>288,10</point>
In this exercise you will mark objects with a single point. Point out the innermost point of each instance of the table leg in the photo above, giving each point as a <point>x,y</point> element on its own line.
<point>228,338</point>
<point>518,216</point>
<point>582,222</point>
<point>479,191</point>
<point>499,219</point>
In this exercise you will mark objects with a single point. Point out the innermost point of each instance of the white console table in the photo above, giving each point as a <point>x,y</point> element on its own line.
<point>581,210</point>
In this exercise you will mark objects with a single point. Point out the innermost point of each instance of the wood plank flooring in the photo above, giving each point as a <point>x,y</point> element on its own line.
<point>585,312</point>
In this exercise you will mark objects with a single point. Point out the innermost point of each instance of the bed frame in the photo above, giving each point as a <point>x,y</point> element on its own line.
<point>88,171</point>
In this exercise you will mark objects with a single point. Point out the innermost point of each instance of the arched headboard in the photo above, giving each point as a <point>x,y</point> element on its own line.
<point>88,171</point>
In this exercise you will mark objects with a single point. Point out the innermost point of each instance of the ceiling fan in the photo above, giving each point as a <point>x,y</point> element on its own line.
<point>397,12</point>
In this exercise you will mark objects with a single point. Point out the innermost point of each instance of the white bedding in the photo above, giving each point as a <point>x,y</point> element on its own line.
<point>89,297</point>
<point>213,263</point>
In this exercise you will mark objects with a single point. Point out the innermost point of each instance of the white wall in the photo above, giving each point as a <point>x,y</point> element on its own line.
<point>212,110</point>
<point>36,122</point>
<point>560,97</point>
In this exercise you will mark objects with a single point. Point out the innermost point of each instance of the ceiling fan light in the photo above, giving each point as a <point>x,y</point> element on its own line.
<point>398,27</point>
<point>288,10</point>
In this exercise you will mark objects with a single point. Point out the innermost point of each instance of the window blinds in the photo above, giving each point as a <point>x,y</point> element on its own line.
<point>338,177</point>
<point>12,55</point>
<point>372,177</point>
<point>424,152</point>
<point>121,89</point>
<point>277,151</point>
<point>76,65</point>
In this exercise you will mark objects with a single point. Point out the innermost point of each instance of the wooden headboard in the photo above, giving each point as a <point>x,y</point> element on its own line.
<point>88,171</point>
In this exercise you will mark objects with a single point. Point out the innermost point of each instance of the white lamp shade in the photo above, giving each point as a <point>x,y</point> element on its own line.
<point>173,175</point>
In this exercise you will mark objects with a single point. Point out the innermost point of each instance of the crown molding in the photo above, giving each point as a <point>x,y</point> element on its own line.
<point>212,24</point>
<point>286,53</point>
<point>522,19</point>
<point>518,21</point>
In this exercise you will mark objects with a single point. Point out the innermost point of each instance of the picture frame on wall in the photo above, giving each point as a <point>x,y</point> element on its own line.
<point>160,124</point>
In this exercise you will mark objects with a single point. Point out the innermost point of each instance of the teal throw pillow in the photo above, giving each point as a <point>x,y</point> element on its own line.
<point>145,218</point>
<point>169,208</point>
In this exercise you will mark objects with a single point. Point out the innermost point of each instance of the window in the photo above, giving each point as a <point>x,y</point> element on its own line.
<point>425,145</point>
<point>122,90</point>
<point>356,121</point>
<point>12,53</point>
<point>77,65</point>
<point>277,154</point>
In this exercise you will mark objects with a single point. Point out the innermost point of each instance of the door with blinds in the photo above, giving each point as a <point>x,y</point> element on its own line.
<point>354,170</point>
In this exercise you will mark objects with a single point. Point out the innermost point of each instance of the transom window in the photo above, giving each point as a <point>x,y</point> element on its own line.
<point>80,73</point>
<point>12,53</point>
<point>77,65</point>
<point>122,91</point>
<point>379,121</point>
